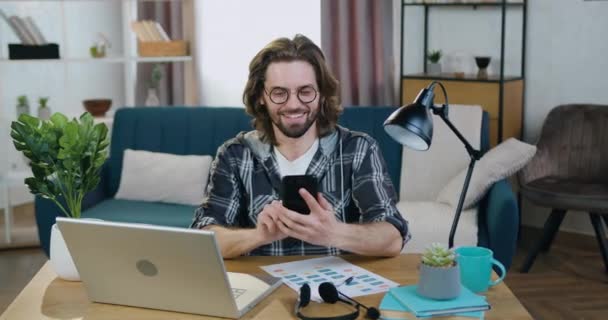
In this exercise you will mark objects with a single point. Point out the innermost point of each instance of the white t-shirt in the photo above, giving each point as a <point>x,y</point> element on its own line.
<point>297,166</point>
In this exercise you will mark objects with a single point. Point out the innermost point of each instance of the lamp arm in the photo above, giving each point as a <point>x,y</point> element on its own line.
<point>473,153</point>
<point>463,194</point>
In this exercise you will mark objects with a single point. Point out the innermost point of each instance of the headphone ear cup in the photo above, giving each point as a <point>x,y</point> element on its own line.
<point>304,295</point>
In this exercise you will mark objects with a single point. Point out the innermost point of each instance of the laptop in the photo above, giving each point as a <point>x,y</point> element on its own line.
<point>157,267</point>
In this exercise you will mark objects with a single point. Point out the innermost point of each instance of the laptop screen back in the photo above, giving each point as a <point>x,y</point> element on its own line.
<point>150,266</point>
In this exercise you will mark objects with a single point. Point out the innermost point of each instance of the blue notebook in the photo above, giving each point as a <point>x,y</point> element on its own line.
<point>467,301</point>
<point>391,309</point>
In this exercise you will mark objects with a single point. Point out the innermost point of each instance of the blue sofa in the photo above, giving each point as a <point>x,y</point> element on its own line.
<point>201,130</point>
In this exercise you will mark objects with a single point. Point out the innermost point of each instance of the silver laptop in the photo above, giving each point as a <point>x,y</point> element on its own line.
<point>160,268</point>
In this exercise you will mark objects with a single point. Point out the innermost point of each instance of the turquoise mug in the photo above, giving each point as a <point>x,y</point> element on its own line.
<point>476,268</point>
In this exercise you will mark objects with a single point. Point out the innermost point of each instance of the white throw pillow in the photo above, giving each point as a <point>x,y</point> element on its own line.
<point>431,221</point>
<point>163,177</point>
<point>500,162</point>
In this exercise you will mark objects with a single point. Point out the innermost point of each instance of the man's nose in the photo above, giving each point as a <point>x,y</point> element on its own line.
<point>293,101</point>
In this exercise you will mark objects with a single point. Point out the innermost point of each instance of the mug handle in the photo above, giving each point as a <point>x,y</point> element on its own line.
<point>503,273</point>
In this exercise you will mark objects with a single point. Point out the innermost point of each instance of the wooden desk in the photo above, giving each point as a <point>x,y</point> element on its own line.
<point>47,297</point>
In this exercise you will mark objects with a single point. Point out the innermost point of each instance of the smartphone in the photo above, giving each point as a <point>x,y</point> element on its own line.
<point>290,196</point>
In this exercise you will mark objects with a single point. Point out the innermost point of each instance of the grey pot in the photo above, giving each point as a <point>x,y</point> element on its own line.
<point>44,113</point>
<point>439,283</point>
<point>433,68</point>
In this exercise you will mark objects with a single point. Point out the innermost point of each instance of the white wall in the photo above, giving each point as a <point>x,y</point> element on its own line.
<point>233,31</point>
<point>566,62</point>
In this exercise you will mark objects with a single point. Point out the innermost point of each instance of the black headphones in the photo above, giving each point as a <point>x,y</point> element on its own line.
<point>330,294</point>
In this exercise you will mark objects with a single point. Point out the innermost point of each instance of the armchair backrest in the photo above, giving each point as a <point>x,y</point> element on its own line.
<point>573,144</point>
<point>201,130</point>
<point>425,173</point>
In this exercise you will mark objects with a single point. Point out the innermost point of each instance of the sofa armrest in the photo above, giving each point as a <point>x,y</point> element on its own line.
<point>499,222</point>
<point>46,210</point>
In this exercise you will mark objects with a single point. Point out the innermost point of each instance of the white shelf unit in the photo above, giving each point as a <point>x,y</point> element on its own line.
<point>102,60</point>
<point>74,25</point>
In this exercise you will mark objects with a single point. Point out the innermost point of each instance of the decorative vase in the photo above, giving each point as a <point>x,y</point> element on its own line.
<point>44,113</point>
<point>61,259</point>
<point>434,68</point>
<point>439,283</point>
<point>152,98</point>
<point>482,63</point>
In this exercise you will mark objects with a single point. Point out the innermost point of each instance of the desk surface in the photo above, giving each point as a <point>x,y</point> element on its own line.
<point>47,297</point>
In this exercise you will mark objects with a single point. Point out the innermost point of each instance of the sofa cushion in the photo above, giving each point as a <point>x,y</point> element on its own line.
<point>176,130</point>
<point>163,214</point>
<point>163,177</point>
<point>424,173</point>
<point>499,163</point>
<point>431,222</point>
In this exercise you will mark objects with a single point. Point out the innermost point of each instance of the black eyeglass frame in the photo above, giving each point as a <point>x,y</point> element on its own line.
<point>288,91</point>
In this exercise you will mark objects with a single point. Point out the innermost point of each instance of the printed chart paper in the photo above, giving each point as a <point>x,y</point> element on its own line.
<point>329,269</point>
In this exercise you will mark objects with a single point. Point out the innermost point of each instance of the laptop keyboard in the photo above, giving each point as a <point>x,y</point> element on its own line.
<point>236,292</point>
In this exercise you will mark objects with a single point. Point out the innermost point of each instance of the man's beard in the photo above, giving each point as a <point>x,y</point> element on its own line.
<point>295,131</point>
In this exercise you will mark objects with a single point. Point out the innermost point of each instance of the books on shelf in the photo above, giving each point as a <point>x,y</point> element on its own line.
<point>148,30</point>
<point>153,41</point>
<point>34,30</point>
<point>25,28</point>
<point>405,303</point>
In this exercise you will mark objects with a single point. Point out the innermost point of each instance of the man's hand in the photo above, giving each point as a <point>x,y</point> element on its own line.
<point>319,227</point>
<point>267,228</point>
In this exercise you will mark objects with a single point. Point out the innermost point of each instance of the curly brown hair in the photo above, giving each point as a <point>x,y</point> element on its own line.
<point>287,50</point>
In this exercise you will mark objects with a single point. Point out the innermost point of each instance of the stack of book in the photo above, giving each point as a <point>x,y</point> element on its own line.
<point>153,40</point>
<point>33,44</point>
<point>405,303</point>
<point>148,30</point>
<point>25,28</point>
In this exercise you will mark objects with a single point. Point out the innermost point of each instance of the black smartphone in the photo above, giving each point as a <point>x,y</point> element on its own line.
<point>290,196</point>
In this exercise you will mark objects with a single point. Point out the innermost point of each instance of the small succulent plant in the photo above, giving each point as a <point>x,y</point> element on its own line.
<point>155,76</point>
<point>22,100</point>
<point>434,56</point>
<point>43,102</point>
<point>437,255</point>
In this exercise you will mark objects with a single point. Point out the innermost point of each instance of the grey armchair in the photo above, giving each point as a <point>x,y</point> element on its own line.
<point>570,172</point>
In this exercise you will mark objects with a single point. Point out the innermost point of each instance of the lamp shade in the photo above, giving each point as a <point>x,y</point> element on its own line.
<point>411,126</point>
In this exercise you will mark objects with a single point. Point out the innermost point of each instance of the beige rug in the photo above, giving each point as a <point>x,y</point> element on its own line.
<point>24,232</point>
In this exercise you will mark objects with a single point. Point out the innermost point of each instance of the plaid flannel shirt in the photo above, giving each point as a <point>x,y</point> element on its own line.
<point>245,177</point>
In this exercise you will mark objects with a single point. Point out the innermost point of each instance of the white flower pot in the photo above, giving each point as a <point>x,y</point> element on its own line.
<point>61,260</point>
<point>44,113</point>
<point>434,68</point>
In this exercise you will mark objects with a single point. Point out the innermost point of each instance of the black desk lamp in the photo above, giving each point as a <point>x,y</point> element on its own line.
<point>412,126</point>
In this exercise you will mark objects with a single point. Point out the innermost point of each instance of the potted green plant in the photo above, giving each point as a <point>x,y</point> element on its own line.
<point>44,112</point>
<point>23,105</point>
<point>439,273</point>
<point>98,49</point>
<point>66,159</point>
<point>156,75</point>
<point>434,66</point>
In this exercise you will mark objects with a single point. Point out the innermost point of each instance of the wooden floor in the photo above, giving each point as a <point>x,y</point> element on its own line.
<point>23,231</point>
<point>567,283</point>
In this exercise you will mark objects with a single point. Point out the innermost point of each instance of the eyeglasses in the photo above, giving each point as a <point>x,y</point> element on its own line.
<point>280,95</point>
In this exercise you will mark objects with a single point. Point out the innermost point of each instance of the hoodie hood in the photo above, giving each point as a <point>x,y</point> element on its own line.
<point>262,150</point>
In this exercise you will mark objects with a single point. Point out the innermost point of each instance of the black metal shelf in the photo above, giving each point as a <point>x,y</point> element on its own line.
<point>466,77</point>
<point>464,4</point>
<point>501,5</point>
